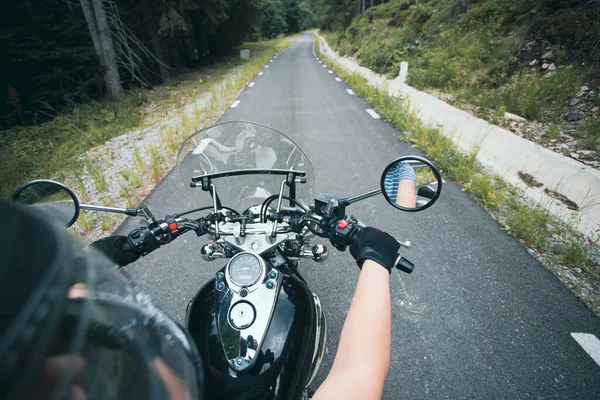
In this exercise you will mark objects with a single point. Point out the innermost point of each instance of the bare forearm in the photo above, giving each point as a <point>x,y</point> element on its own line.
<point>407,194</point>
<point>363,355</point>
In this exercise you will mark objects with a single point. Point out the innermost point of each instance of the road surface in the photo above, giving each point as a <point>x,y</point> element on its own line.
<point>479,318</point>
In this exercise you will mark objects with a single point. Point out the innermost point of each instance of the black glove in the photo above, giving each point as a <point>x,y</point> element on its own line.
<point>113,247</point>
<point>376,245</point>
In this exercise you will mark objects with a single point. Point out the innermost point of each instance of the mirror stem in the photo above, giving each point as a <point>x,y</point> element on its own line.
<point>127,211</point>
<point>354,199</point>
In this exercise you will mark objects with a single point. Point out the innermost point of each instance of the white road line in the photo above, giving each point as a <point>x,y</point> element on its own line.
<point>372,113</point>
<point>350,92</point>
<point>266,66</point>
<point>271,61</point>
<point>338,79</point>
<point>235,104</point>
<point>330,71</point>
<point>318,58</point>
<point>260,73</point>
<point>324,66</point>
<point>590,344</point>
<point>251,84</point>
<point>320,62</point>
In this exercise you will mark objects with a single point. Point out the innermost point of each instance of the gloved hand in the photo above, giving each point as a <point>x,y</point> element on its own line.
<point>112,246</point>
<point>376,245</point>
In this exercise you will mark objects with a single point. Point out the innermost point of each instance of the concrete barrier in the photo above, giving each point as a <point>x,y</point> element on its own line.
<point>245,54</point>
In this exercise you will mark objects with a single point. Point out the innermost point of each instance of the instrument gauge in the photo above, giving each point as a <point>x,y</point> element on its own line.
<point>245,269</point>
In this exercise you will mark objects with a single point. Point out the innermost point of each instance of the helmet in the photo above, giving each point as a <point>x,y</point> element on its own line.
<point>71,325</point>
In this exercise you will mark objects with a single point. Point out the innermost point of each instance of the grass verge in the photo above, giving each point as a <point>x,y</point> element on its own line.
<point>54,149</point>
<point>526,57</point>
<point>574,259</point>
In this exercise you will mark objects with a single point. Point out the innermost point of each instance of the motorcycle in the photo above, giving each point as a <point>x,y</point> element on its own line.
<point>259,327</point>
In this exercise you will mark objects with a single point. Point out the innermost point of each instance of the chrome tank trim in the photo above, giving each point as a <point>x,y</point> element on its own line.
<point>321,340</point>
<point>240,346</point>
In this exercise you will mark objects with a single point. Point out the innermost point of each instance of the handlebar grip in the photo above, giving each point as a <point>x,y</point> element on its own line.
<point>128,247</point>
<point>404,265</point>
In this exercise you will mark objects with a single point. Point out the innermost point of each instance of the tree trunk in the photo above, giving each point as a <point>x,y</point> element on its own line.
<point>113,80</point>
<point>150,24</point>
<point>371,3</point>
<point>90,18</point>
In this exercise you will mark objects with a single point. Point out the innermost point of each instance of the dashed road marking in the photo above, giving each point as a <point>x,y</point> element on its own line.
<point>338,79</point>
<point>266,66</point>
<point>373,114</point>
<point>330,71</point>
<point>320,62</point>
<point>251,84</point>
<point>260,73</point>
<point>235,104</point>
<point>350,92</point>
<point>271,61</point>
<point>590,344</point>
<point>324,66</point>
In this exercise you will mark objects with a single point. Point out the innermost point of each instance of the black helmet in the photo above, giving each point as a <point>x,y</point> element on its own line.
<point>72,326</point>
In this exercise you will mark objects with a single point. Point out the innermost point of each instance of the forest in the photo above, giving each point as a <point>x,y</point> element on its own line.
<point>56,53</point>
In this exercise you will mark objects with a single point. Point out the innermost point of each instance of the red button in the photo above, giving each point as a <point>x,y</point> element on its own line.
<point>173,227</point>
<point>343,224</point>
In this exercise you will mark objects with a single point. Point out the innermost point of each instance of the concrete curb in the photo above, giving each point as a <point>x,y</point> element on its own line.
<point>501,152</point>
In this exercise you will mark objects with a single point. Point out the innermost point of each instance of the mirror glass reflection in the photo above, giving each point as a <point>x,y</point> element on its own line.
<point>50,198</point>
<point>410,184</point>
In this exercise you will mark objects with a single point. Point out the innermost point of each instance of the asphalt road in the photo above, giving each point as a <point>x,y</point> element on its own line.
<point>479,318</point>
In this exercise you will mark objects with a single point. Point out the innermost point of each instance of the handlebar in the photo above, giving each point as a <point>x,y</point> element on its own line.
<point>342,232</point>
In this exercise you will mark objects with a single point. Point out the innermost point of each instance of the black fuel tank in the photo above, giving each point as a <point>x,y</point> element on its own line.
<point>283,365</point>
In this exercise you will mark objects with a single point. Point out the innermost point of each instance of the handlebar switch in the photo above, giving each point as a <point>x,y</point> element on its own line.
<point>143,240</point>
<point>404,265</point>
<point>342,234</point>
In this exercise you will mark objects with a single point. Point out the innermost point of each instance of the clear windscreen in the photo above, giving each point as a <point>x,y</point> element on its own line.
<point>244,147</point>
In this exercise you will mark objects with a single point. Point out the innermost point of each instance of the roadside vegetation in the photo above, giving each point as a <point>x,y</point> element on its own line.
<point>142,167</point>
<point>53,149</point>
<point>574,258</point>
<point>481,51</point>
<point>537,59</point>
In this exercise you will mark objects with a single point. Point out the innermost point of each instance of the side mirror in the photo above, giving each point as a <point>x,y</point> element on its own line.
<point>411,183</point>
<point>53,199</point>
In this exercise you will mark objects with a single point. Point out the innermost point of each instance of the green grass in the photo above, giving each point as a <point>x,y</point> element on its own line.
<point>553,132</point>
<point>129,185</point>
<point>157,163</point>
<point>573,251</point>
<point>138,160</point>
<point>480,51</point>
<point>528,222</point>
<point>531,223</point>
<point>491,192</point>
<point>80,189</point>
<point>94,169</point>
<point>589,133</point>
<point>51,150</point>
<point>536,97</point>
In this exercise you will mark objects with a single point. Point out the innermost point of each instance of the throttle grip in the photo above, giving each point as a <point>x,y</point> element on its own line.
<point>345,231</point>
<point>404,265</point>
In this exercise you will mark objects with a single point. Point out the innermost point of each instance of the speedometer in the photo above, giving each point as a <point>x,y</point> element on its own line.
<point>245,269</point>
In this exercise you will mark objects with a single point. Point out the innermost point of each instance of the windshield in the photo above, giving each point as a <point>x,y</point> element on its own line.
<point>251,150</point>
